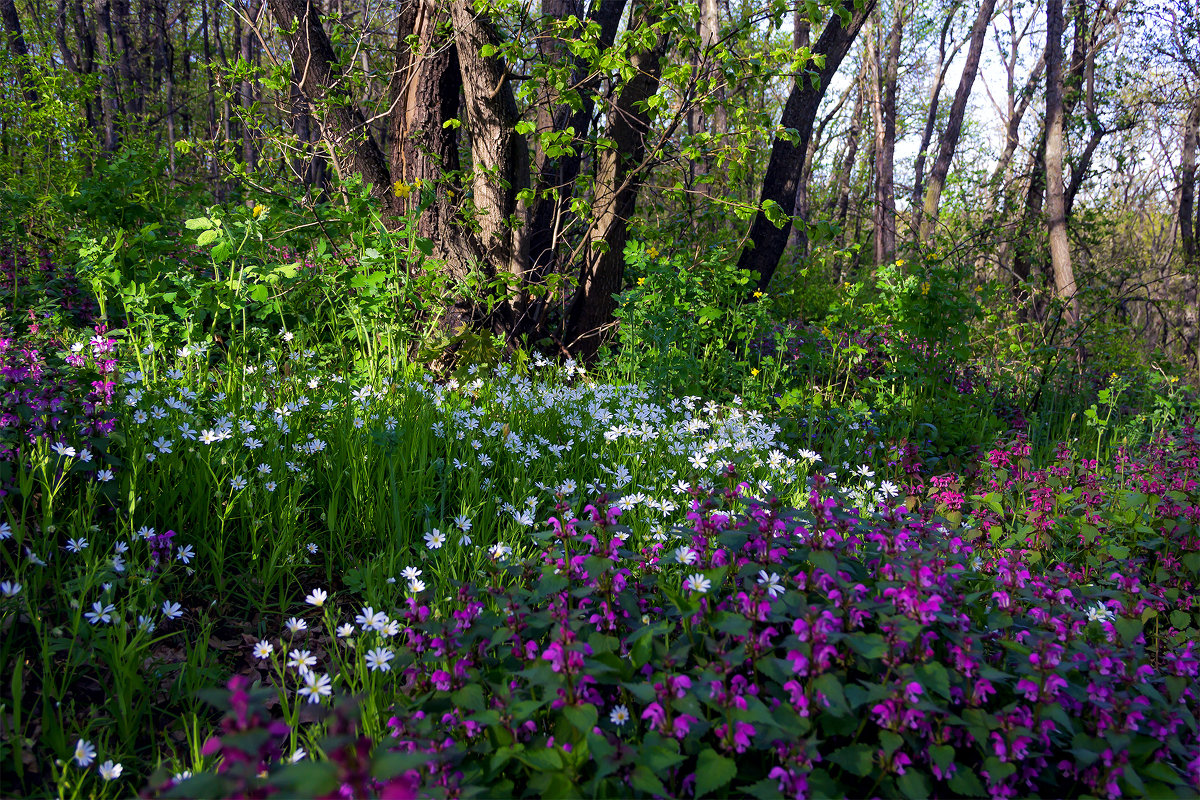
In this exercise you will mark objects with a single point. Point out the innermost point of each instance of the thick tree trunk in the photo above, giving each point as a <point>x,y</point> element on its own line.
<point>950,137</point>
<point>619,173</point>
<point>767,242</point>
<point>1187,185</point>
<point>1056,221</point>
<point>499,155</point>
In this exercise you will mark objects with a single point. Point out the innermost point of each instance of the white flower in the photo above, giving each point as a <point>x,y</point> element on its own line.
<point>416,585</point>
<point>296,625</point>
<point>301,660</point>
<point>619,716</point>
<point>237,483</point>
<point>378,659</point>
<point>84,754</point>
<point>10,588</point>
<point>685,555</point>
<point>5,531</point>
<point>64,451</point>
<point>185,554</point>
<point>1100,613</point>
<point>299,755</point>
<point>770,583</point>
<point>104,475</point>
<point>697,583</point>
<point>345,631</point>
<point>77,545</point>
<point>370,619</point>
<point>270,486</point>
<point>263,649</point>
<point>264,469</point>
<point>410,573</point>
<point>463,522</point>
<point>315,687</point>
<point>310,547</point>
<point>317,597</point>
<point>171,610</point>
<point>100,613</point>
<point>110,771</point>
<point>434,539</point>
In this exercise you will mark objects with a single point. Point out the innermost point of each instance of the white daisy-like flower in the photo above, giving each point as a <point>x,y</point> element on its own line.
<point>171,610</point>
<point>771,583</point>
<point>317,597</point>
<point>619,715</point>
<point>698,583</point>
<point>110,771</point>
<point>345,631</point>
<point>315,687</point>
<point>301,660</point>
<point>296,625</point>
<point>377,659</point>
<point>434,539</point>
<point>85,753</point>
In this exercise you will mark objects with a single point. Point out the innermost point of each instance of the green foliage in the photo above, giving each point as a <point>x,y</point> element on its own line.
<point>685,327</point>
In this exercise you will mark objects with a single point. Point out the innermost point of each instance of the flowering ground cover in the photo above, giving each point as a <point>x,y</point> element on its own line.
<point>234,570</point>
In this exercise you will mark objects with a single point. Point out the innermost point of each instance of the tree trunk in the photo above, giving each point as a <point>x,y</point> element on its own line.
<point>499,155</point>
<point>1187,185</point>
<point>110,139</point>
<point>556,176</point>
<point>766,241</point>
<point>1056,222</point>
<point>949,138</point>
<point>935,93</point>
<point>841,201</point>
<point>246,93</point>
<point>16,45</point>
<point>619,173</point>
<point>887,77</point>
<point>321,82</point>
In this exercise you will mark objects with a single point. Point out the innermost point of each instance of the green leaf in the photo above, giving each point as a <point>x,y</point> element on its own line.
<point>934,676</point>
<point>967,784</point>
<point>198,224</point>
<point>207,237</point>
<point>1180,619</point>
<point>469,697</point>
<point>524,127</point>
<point>583,718</point>
<point>870,645</point>
<point>775,213</point>
<point>829,685</point>
<point>713,771</point>
<point>857,759</point>
<point>646,781</point>
<point>914,784</point>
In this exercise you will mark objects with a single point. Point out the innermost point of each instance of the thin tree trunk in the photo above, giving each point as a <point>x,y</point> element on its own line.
<point>110,139</point>
<point>950,137</point>
<point>1187,185</point>
<point>16,45</point>
<point>935,93</point>
<point>884,112</point>
<point>246,93</point>
<point>1056,222</point>
<point>846,172</point>
<point>786,165</point>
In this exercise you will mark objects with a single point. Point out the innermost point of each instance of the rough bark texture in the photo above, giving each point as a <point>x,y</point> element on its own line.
<point>1056,221</point>
<point>1187,185</point>
<point>619,172</point>
<point>556,175</point>
<point>767,242</point>
<point>887,77</point>
<point>107,87</point>
<point>320,83</point>
<point>958,109</point>
<point>935,93</point>
<point>499,155</point>
<point>16,45</point>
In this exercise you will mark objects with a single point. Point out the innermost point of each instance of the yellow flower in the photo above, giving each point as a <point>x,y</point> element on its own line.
<point>641,281</point>
<point>979,288</point>
<point>753,372</point>
<point>652,252</point>
<point>758,294</point>
<point>258,210</point>
<point>925,288</point>
<point>900,262</point>
<point>401,189</point>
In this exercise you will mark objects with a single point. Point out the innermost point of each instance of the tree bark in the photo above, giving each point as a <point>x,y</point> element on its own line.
<point>619,173</point>
<point>110,138</point>
<point>1056,222</point>
<point>321,82</point>
<point>887,77</point>
<point>766,241</point>
<point>499,155</point>
<point>944,61</point>
<point>17,46</point>
<point>1187,185</point>
<point>949,139</point>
